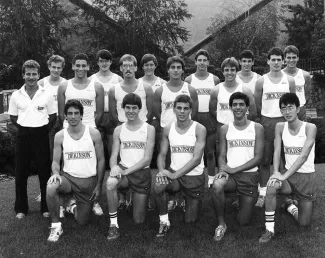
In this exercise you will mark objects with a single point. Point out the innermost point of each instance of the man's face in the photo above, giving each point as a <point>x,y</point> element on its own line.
<point>202,63</point>
<point>275,62</point>
<point>131,112</point>
<point>128,69</point>
<point>55,69</point>
<point>80,68</point>
<point>289,112</point>
<point>104,64</point>
<point>246,64</point>
<point>182,111</point>
<point>230,73</point>
<point>149,68</point>
<point>291,60</point>
<point>239,108</point>
<point>175,71</point>
<point>31,76</point>
<point>73,116</point>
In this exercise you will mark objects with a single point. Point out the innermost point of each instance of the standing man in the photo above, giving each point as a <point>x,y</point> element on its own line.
<point>301,77</point>
<point>299,178</point>
<point>241,150</point>
<point>268,90</point>
<point>246,76</point>
<point>83,171</point>
<point>133,141</point>
<point>33,112</point>
<point>204,82</point>
<point>186,140</point>
<point>89,93</point>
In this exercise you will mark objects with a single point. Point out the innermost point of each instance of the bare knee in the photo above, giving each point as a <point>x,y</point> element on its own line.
<point>111,183</point>
<point>271,191</point>
<point>52,189</point>
<point>159,188</point>
<point>218,185</point>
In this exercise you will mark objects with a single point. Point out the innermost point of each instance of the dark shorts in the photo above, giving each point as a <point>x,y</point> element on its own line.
<point>246,183</point>
<point>107,124</point>
<point>207,121</point>
<point>269,124</point>
<point>302,114</point>
<point>140,181</point>
<point>191,186</point>
<point>303,186</point>
<point>82,188</point>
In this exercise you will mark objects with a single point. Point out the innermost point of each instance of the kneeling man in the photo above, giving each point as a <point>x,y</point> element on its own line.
<point>83,170</point>
<point>186,140</point>
<point>299,179</point>
<point>241,151</point>
<point>133,141</point>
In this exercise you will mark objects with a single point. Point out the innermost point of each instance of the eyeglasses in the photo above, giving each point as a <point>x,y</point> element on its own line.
<point>287,109</point>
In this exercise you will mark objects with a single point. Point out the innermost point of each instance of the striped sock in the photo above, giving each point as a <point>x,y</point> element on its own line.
<point>113,218</point>
<point>292,209</point>
<point>269,220</point>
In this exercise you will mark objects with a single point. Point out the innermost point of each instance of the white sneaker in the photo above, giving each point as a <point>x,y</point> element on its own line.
<point>62,211</point>
<point>55,234</point>
<point>97,209</point>
<point>20,215</point>
<point>46,214</point>
<point>71,206</point>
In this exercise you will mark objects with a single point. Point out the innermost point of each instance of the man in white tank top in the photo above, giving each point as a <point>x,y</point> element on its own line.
<point>186,140</point>
<point>204,82</point>
<point>246,76</point>
<point>133,142</point>
<point>241,150</point>
<point>81,148</point>
<point>298,178</point>
<point>268,90</point>
<point>301,77</point>
<point>89,93</point>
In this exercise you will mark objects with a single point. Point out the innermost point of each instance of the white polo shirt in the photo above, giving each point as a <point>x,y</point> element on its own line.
<point>31,112</point>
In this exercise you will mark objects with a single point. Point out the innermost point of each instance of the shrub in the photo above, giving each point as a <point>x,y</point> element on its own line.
<point>320,139</point>
<point>7,153</point>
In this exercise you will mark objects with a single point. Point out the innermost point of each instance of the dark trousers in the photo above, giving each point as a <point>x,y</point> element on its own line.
<point>32,147</point>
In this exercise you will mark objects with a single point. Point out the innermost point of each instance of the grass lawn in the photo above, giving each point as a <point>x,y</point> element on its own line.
<point>27,237</point>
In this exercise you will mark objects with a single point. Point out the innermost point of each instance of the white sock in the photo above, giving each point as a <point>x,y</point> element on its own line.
<point>211,179</point>
<point>269,220</point>
<point>292,209</point>
<point>164,218</point>
<point>262,191</point>
<point>56,225</point>
<point>113,218</point>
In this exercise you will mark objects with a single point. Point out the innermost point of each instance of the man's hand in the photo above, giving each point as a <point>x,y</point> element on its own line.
<point>168,174</point>
<point>116,172</point>
<point>276,177</point>
<point>221,175</point>
<point>227,169</point>
<point>162,179</point>
<point>96,194</point>
<point>54,178</point>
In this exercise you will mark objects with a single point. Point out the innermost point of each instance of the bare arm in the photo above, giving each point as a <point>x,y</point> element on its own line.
<point>61,100</point>
<point>115,147</point>
<point>213,103</point>
<point>99,103</point>
<point>157,103</point>
<point>258,95</point>
<point>57,152</point>
<point>292,84</point>
<point>99,150</point>
<point>112,106</point>
<point>195,105</point>
<point>277,146</point>
<point>149,101</point>
<point>147,155</point>
<point>164,145</point>
<point>307,86</point>
<point>222,159</point>
<point>216,80</point>
<point>252,107</point>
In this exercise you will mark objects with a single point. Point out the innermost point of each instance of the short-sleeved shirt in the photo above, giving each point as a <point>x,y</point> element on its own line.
<point>32,112</point>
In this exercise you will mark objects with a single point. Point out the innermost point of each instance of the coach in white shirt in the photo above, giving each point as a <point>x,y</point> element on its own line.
<point>32,111</point>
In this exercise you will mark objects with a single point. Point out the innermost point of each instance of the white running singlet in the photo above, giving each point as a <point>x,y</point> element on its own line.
<point>300,87</point>
<point>182,149</point>
<point>203,89</point>
<point>155,86</point>
<point>293,144</point>
<point>240,145</point>
<point>271,94</point>
<point>224,113</point>
<point>120,94</point>
<point>53,90</point>
<point>167,103</point>
<point>87,98</point>
<point>79,156</point>
<point>107,86</point>
<point>250,85</point>
<point>133,145</point>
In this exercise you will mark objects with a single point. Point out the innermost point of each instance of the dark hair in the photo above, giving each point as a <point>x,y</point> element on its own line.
<point>183,99</point>
<point>128,57</point>
<point>275,51</point>
<point>31,64</point>
<point>147,58</point>
<point>202,52</point>
<point>246,54</point>
<point>103,54</point>
<point>80,56</point>
<point>239,95</point>
<point>230,61</point>
<point>74,103</point>
<point>289,98</point>
<point>132,99</point>
<point>56,59</point>
<point>175,59</point>
<point>291,49</point>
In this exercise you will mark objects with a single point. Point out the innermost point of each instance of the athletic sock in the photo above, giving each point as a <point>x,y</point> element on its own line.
<point>262,191</point>
<point>56,225</point>
<point>113,217</point>
<point>211,179</point>
<point>164,218</point>
<point>269,220</point>
<point>292,209</point>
